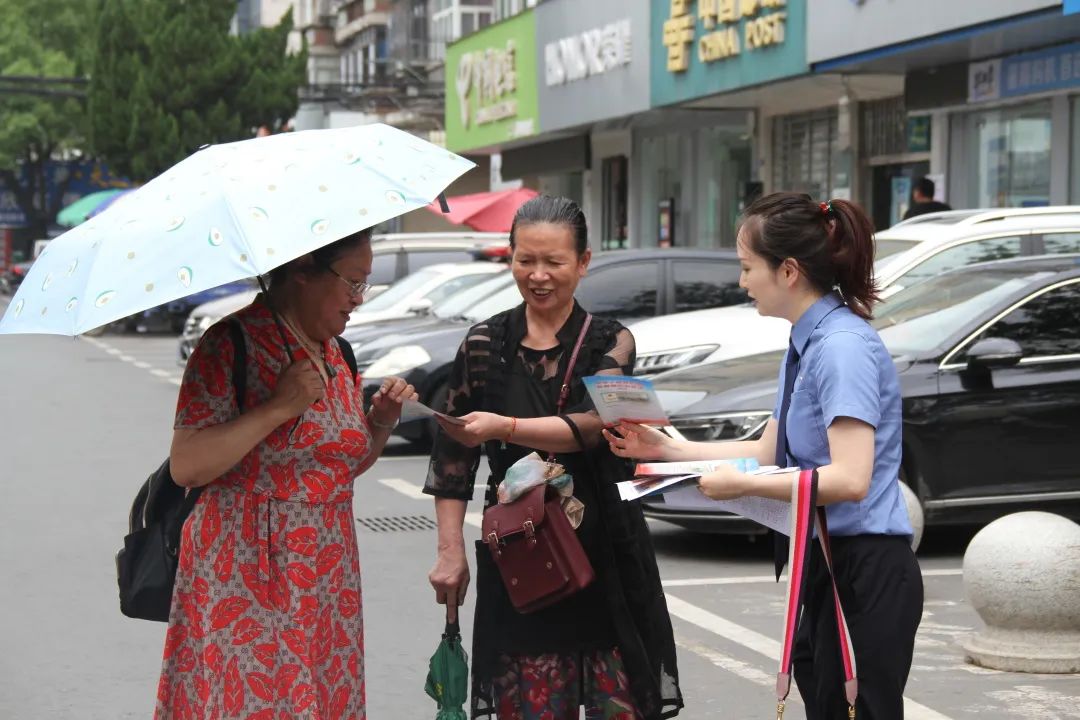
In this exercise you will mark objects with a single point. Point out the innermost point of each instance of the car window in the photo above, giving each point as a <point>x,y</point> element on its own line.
<point>1061,243</point>
<point>399,291</point>
<point>623,291</point>
<point>976,251</point>
<point>1043,326</point>
<point>496,303</point>
<point>456,305</point>
<point>884,248</point>
<point>454,285</point>
<point>383,269</point>
<point>702,284</point>
<point>422,258</point>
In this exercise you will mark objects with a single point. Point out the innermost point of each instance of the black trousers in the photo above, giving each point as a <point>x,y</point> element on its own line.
<point>881,592</point>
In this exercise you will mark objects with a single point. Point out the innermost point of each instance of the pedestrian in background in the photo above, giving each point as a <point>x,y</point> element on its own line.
<point>266,616</point>
<point>609,647</point>
<point>922,199</point>
<point>839,413</point>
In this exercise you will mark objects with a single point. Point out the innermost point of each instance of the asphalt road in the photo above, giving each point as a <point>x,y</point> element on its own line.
<point>84,421</point>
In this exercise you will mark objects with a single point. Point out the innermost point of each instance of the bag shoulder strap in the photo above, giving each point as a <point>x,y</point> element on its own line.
<point>347,353</point>
<point>239,379</point>
<point>564,391</point>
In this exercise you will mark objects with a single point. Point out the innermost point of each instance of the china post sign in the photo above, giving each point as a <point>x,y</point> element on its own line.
<point>491,85</point>
<point>702,47</point>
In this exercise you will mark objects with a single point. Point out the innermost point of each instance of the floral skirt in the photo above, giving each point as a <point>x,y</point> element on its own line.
<point>554,686</point>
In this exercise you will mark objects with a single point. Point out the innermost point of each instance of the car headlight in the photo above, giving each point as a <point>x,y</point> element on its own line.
<point>656,362</point>
<point>398,361</point>
<point>729,426</point>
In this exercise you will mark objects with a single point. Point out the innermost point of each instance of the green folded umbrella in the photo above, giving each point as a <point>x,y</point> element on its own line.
<point>448,675</point>
<point>76,213</point>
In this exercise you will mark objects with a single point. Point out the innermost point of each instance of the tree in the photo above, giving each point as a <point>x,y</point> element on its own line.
<point>169,77</point>
<point>39,120</point>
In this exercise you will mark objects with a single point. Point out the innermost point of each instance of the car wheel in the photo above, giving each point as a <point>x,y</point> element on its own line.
<point>914,511</point>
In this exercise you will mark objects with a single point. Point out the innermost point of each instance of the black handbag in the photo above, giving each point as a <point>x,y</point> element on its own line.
<point>146,565</point>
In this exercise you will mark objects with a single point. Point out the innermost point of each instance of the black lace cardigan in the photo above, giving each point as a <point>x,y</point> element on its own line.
<point>625,562</point>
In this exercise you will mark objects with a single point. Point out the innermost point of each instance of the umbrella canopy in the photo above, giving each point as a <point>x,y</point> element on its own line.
<point>487,211</point>
<point>77,212</point>
<point>108,203</point>
<point>448,675</point>
<point>228,212</point>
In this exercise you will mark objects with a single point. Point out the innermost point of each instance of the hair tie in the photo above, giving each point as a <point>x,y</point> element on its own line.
<point>826,208</point>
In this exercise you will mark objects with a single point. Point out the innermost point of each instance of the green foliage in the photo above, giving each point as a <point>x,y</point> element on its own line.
<point>40,39</point>
<point>168,78</point>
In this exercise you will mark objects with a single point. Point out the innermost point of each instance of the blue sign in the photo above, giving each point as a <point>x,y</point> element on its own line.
<point>1054,69</point>
<point>83,178</point>
<point>1071,6</point>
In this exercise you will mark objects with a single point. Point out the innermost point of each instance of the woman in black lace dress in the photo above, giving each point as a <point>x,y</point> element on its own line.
<point>610,647</point>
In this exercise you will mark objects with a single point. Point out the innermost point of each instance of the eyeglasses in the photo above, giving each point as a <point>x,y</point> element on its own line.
<point>356,289</point>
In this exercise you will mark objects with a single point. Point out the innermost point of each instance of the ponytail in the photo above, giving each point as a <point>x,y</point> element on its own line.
<point>833,243</point>
<point>851,240</point>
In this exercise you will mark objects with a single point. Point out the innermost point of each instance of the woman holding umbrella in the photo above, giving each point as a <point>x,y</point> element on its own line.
<point>608,647</point>
<point>266,616</point>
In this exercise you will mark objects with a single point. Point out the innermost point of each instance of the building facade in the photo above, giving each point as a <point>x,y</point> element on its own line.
<point>989,103</point>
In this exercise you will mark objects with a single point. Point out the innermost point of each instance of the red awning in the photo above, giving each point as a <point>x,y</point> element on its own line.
<point>487,211</point>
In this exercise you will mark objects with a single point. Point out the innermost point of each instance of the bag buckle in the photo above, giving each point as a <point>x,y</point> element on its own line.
<point>530,532</point>
<point>492,541</point>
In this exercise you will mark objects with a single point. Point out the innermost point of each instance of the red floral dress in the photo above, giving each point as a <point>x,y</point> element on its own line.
<point>266,619</point>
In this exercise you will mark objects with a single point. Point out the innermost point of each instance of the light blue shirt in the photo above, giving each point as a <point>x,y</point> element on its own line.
<point>845,371</point>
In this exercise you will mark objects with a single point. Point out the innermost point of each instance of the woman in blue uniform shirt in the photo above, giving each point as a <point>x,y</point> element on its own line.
<point>812,264</point>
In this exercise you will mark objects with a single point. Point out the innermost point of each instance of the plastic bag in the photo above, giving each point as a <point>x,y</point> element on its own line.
<point>531,471</point>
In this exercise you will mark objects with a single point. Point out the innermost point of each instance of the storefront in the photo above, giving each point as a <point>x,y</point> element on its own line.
<point>491,86</point>
<point>992,130</point>
<point>713,68</point>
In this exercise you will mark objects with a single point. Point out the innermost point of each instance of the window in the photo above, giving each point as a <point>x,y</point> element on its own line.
<point>383,268</point>
<point>622,291</point>
<point>420,259</point>
<point>1010,149</point>
<point>615,206</point>
<point>1061,243</point>
<point>1044,326</point>
<point>455,286</point>
<point>976,251</point>
<point>702,284</point>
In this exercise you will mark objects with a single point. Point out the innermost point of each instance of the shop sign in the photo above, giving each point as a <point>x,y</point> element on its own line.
<point>593,52</point>
<point>729,25</point>
<point>709,46</point>
<point>594,61</point>
<point>1024,74</point>
<point>491,85</point>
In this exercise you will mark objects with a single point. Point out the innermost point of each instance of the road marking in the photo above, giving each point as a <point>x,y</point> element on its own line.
<point>748,579</point>
<point>166,375</point>
<point>764,645</point>
<point>160,373</point>
<point>736,667</point>
<point>414,492</point>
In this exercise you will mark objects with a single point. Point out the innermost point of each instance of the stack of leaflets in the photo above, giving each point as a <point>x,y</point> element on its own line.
<point>651,478</point>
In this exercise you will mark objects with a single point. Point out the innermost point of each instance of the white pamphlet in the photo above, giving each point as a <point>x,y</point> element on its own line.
<point>411,409</point>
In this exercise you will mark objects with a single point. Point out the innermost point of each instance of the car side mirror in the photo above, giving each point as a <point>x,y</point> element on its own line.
<point>994,352</point>
<point>421,307</point>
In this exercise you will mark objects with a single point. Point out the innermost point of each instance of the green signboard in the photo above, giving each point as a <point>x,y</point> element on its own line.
<point>491,85</point>
<point>704,47</point>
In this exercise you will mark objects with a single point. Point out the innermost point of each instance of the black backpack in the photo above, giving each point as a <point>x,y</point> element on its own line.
<point>146,565</point>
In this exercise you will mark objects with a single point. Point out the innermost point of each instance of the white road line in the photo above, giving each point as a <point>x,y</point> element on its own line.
<point>160,373</point>
<point>127,358</point>
<point>414,492</point>
<point>749,579</point>
<point>736,667</point>
<point>765,646</point>
<point>112,351</point>
<point>142,365</point>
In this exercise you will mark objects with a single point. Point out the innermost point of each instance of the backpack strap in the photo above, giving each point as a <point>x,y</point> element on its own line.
<point>347,353</point>
<point>239,379</point>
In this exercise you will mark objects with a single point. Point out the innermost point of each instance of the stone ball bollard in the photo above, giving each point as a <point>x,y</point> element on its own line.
<point>1022,575</point>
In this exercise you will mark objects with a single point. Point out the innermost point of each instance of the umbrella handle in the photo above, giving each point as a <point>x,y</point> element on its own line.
<point>452,627</point>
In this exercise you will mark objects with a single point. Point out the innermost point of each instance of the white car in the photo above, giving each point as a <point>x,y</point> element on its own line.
<point>416,294</point>
<point>907,253</point>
